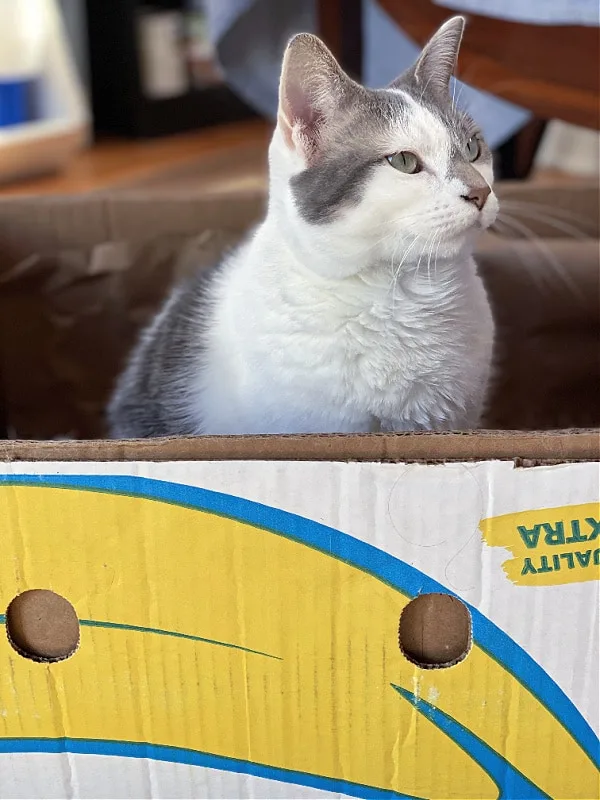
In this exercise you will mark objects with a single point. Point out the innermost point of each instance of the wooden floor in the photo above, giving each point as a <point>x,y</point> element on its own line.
<point>224,157</point>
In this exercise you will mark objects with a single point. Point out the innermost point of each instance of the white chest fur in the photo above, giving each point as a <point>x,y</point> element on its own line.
<point>292,352</point>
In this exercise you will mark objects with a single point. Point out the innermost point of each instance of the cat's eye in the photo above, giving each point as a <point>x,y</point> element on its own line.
<point>405,161</point>
<point>473,148</point>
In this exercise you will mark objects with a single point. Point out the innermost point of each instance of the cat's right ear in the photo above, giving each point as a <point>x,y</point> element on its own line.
<point>435,66</point>
<point>311,89</point>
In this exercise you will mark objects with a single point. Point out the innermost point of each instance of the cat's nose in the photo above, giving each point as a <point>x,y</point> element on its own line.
<point>478,195</point>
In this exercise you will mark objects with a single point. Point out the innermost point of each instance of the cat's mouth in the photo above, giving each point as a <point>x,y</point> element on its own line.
<point>479,221</point>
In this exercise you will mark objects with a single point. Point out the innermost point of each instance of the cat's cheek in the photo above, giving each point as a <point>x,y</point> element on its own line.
<point>412,196</point>
<point>387,198</point>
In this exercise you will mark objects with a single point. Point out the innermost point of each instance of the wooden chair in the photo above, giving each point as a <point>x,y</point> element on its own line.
<point>551,70</point>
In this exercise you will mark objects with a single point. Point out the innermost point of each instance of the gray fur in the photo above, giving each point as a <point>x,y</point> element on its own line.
<point>147,399</point>
<point>338,177</point>
<point>321,190</point>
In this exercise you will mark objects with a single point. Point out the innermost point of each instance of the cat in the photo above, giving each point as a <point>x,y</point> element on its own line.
<point>356,305</point>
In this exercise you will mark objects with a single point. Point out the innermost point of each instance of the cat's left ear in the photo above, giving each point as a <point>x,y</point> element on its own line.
<point>312,88</point>
<point>435,66</point>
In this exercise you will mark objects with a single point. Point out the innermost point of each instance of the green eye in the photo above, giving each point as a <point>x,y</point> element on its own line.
<point>473,148</point>
<point>405,161</point>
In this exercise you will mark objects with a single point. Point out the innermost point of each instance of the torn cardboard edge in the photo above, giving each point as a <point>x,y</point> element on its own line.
<point>523,448</point>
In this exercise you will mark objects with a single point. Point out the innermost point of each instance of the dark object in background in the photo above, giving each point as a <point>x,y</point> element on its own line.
<point>515,158</point>
<point>3,417</point>
<point>152,72</point>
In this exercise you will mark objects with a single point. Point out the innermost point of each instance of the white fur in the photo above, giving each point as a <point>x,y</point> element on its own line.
<point>377,320</point>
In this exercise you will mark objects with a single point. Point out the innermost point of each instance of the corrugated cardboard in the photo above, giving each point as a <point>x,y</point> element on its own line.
<point>244,617</point>
<point>240,623</point>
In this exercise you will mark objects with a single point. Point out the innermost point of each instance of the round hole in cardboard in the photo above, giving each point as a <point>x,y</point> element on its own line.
<point>435,631</point>
<point>42,625</point>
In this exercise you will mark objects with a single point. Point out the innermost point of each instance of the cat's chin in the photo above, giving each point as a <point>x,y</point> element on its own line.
<point>458,243</point>
<point>460,234</point>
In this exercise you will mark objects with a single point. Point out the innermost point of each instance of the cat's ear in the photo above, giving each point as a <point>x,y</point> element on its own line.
<point>311,90</point>
<point>435,66</point>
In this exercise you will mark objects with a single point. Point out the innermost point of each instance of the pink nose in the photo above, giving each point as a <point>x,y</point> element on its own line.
<point>478,195</point>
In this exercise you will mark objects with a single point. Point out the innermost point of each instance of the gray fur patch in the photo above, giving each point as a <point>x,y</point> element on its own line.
<point>337,180</point>
<point>147,399</point>
<point>321,190</point>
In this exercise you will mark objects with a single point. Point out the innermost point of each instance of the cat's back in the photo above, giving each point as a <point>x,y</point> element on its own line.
<point>152,395</point>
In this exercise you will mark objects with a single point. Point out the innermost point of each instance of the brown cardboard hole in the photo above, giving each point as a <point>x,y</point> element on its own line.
<point>435,631</point>
<point>42,625</point>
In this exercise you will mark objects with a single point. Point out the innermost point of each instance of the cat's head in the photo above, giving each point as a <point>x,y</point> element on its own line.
<point>367,171</point>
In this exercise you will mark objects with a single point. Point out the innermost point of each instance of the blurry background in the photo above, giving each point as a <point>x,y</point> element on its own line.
<point>180,94</point>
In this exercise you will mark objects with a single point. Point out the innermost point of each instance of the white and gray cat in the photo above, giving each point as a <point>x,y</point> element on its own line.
<point>356,305</point>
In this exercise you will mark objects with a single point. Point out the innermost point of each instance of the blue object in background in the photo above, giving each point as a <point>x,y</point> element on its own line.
<point>14,102</point>
<point>250,37</point>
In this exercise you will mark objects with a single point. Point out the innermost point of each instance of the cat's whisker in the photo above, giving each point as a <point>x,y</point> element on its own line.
<point>392,234</point>
<point>528,260</point>
<point>433,238</point>
<point>399,267</point>
<point>461,87</point>
<point>392,288</point>
<point>405,256</point>
<point>551,218</point>
<point>428,218</point>
<point>418,264</point>
<point>557,225</point>
<point>513,225</point>
<point>414,272</point>
<point>560,212</point>
<point>435,260</point>
<point>393,281</point>
<point>369,246</point>
<point>394,223</point>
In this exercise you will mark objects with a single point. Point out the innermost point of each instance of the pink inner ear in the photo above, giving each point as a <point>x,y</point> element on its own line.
<point>298,103</point>
<point>299,112</point>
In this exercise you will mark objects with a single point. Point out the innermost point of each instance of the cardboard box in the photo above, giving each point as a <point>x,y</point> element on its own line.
<point>241,617</point>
